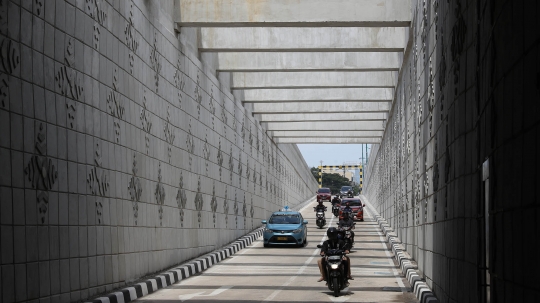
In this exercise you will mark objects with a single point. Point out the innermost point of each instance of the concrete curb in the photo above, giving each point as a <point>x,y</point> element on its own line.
<point>179,273</point>
<point>421,289</point>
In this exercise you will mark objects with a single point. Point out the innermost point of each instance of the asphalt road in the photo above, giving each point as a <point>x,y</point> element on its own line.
<point>290,274</point>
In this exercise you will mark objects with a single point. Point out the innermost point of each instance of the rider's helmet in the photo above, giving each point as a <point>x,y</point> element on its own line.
<point>348,203</point>
<point>320,202</point>
<point>332,233</point>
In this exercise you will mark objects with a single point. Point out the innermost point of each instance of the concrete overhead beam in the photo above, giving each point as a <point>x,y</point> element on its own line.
<point>280,80</point>
<point>290,39</point>
<point>308,61</point>
<point>325,125</point>
<point>329,133</point>
<point>327,140</point>
<point>320,107</point>
<point>321,116</point>
<point>293,13</point>
<point>318,95</point>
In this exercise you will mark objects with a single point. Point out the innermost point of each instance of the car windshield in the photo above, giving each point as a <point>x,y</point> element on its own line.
<point>284,219</point>
<point>324,190</point>
<point>352,202</point>
<point>345,188</point>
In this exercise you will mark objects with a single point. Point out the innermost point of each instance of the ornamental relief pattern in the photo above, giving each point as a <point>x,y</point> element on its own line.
<point>212,107</point>
<point>115,104</point>
<point>41,172</point>
<point>220,158</point>
<point>179,82</point>
<point>146,123</point>
<point>181,199</point>
<point>168,130</point>
<point>135,189</point>
<point>213,203</point>
<point>226,208</point>
<point>160,196</point>
<point>231,164</point>
<point>155,61</point>
<point>206,153</point>
<point>4,90</point>
<point>198,96</point>
<point>235,208</point>
<point>199,201</point>
<point>244,210</point>
<point>190,144</point>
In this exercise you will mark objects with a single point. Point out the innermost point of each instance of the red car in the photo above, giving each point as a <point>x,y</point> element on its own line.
<point>324,194</point>
<point>357,208</point>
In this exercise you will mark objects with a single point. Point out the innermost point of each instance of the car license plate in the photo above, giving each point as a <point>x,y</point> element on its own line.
<point>282,238</point>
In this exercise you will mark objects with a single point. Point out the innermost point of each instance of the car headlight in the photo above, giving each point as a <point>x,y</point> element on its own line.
<point>334,266</point>
<point>296,231</point>
<point>266,230</point>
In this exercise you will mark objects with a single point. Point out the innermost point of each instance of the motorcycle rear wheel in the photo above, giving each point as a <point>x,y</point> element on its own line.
<point>336,287</point>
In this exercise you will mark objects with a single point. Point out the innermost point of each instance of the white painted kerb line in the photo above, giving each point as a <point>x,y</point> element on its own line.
<point>396,274</point>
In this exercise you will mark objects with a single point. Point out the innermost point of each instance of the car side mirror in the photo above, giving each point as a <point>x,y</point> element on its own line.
<point>364,205</point>
<point>305,222</point>
<point>263,221</point>
<point>319,246</point>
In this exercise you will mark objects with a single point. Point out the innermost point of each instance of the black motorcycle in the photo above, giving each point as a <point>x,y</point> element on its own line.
<point>320,219</point>
<point>346,235</point>
<point>350,194</point>
<point>335,270</point>
<point>335,209</point>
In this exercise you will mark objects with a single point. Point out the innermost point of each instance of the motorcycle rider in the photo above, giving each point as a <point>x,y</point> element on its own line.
<point>333,242</point>
<point>336,200</point>
<point>320,207</point>
<point>347,207</point>
<point>350,193</point>
<point>346,221</point>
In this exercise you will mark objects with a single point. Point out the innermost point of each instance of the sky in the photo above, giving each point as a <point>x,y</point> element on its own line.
<point>331,154</point>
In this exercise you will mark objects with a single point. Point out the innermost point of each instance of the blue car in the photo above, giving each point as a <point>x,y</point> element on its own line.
<point>285,227</point>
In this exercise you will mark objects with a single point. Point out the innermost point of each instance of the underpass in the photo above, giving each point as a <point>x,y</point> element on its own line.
<point>290,274</point>
<point>138,135</point>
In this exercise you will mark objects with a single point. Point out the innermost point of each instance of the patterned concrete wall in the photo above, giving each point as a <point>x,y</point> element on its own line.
<point>121,153</point>
<point>468,92</point>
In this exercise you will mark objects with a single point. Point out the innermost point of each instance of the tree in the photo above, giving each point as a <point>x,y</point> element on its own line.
<point>315,172</point>
<point>333,181</point>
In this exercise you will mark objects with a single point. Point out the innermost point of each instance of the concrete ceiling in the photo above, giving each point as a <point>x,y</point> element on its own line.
<point>313,71</point>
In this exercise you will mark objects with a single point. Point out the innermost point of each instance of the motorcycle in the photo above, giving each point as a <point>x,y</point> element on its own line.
<point>321,220</point>
<point>350,194</point>
<point>335,270</point>
<point>335,210</point>
<point>346,235</point>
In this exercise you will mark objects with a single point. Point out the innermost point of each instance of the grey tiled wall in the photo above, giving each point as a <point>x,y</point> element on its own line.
<point>468,94</point>
<point>121,154</point>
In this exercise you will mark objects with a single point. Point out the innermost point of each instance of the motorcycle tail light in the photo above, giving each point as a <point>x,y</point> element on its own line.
<point>334,266</point>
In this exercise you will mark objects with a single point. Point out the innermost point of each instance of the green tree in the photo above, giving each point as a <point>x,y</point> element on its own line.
<point>356,189</point>
<point>334,182</point>
<point>315,172</point>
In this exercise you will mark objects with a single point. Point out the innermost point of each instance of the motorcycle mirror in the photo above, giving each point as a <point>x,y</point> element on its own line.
<point>319,246</point>
<point>263,221</point>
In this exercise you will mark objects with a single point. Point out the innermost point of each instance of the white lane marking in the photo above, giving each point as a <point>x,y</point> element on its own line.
<point>340,299</point>
<point>200,294</point>
<point>300,271</point>
<point>388,254</point>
